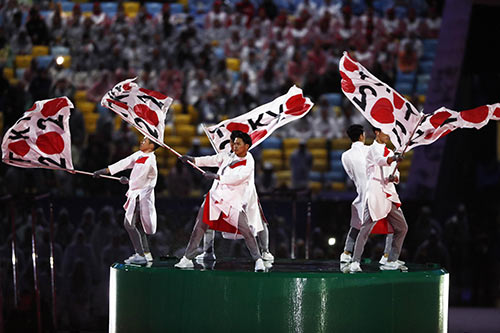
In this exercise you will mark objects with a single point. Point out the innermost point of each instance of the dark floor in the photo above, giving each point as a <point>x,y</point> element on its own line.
<point>474,320</point>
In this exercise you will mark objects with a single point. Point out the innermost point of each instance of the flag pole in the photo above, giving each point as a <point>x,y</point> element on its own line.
<point>408,143</point>
<point>179,155</point>
<point>91,174</point>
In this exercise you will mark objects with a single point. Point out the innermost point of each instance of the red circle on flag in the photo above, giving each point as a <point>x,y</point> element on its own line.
<point>143,111</point>
<point>346,83</point>
<point>437,119</point>
<point>296,105</point>
<point>237,127</point>
<point>153,93</point>
<point>383,111</point>
<point>398,101</point>
<point>20,148</point>
<point>127,86</point>
<point>257,135</point>
<point>476,115</point>
<point>349,65</point>
<point>50,143</point>
<point>52,107</point>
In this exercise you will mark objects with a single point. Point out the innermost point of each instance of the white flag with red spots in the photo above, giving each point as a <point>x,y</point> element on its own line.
<point>407,127</point>
<point>41,138</point>
<point>261,121</point>
<point>142,108</point>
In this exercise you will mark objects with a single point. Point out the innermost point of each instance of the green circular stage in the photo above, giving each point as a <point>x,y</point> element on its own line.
<point>294,296</point>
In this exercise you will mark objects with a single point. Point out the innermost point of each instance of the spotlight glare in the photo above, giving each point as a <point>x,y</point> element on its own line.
<point>332,241</point>
<point>59,60</point>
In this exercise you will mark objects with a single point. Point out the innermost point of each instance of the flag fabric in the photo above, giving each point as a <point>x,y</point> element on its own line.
<point>142,108</point>
<point>41,138</point>
<point>407,127</point>
<point>262,121</point>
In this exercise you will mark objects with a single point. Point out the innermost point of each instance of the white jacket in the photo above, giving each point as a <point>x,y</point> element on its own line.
<point>380,193</point>
<point>141,184</point>
<point>234,188</point>
<point>354,163</point>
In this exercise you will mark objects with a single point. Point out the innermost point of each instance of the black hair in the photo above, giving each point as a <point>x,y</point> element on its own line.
<point>376,129</point>
<point>156,146</point>
<point>354,131</point>
<point>243,136</point>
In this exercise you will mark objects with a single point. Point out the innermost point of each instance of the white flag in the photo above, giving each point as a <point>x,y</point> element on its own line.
<point>407,127</point>
<point>41,138</point>
<point>261,121</point>
<point>142,108</point>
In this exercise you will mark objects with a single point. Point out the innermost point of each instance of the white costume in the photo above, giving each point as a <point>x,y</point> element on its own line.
<point>380,193</point>
<point>142,183</point>
<point>232,193</point>
<point>354,163</point>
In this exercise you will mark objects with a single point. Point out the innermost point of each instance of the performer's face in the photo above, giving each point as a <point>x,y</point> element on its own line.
<point>240,148</point>
<point>145,145</point>
<point>382,137</point>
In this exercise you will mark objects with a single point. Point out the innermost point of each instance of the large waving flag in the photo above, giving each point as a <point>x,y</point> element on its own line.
<point>260,122</point>
<point>41,138</point>
<point>386,109</point>
<point>142,108</point>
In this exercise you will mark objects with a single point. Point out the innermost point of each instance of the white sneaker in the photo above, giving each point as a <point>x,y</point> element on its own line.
<point>345,257</point>
<point>268,265</point>
<point>205,256</point>
<point>184,263</point>
<point>393,266</point>
<point>354,267</point>
<point>149,256</point>
<point>383,260</point>
<point>267,256</point>
<point>259,265</point>
<point>136,259</point>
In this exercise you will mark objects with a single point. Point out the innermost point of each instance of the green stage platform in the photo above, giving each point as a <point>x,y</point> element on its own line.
<point>293,296</point>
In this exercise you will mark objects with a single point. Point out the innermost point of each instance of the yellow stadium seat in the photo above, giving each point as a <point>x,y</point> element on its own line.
<point>233,64</point>
<point>168,130</point>
<point>341,144</point>
<point>118,122</point>
<point>421,99</point>
<point>291,143</point>
<point>91,122</point>
<point>316,143</point>
<point>39,50</point>
<point>180,149</point>
<point>289,152</point>
<point>173,140</point>
<point>80,95</point>
<point>204,141</point>
<point>182,119</point>
<point>163,171</point>
<point>404,165</point>
<point>67,61</point>
<point>131,8</point>
<point>404,176</point>
<point>186,132</point>
<point>338,186</point>
<point>193,113</point>
<point>409,155</point>
<point>268,154</point>
<point>320,164</point>
<point>319,153</point>
<point>23,61</point>
<point>315,186</point>
<point>8,73</point>
<point>86,107</point>
<point>13,82</point>
<point>176,107</point>
<point>284,178</point>
<point>276,162</point>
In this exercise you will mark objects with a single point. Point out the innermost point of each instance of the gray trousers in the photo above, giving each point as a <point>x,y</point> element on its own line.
<point>353,234</point>
<point>200,229</point>
<point>137,235</point>
<point>396,219</point>
<point>262,239</point>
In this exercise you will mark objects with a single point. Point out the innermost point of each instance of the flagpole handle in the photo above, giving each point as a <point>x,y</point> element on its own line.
<point>92,174</point>
<point>179,155</point>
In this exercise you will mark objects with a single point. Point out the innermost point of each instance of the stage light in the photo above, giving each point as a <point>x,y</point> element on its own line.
<point>59,60</point>
<point>332,241</point>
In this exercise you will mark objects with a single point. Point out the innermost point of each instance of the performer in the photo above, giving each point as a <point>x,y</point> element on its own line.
<point>382,201</point>
<point>254,218</point>
<point>224,207</point>
<point>140,204</point>
<point>354,163</point>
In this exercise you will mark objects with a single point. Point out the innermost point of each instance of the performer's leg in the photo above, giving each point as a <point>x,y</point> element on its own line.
<point>363,234</point>
<point>144,240</point>
<point>250,241</point>
<point>398,222</point>
<point>350,240</point>
<point>263,237</point>
<point>133,233</point>
<point>208,241</point>
<point>388,244</point>
<point>196,235</point>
